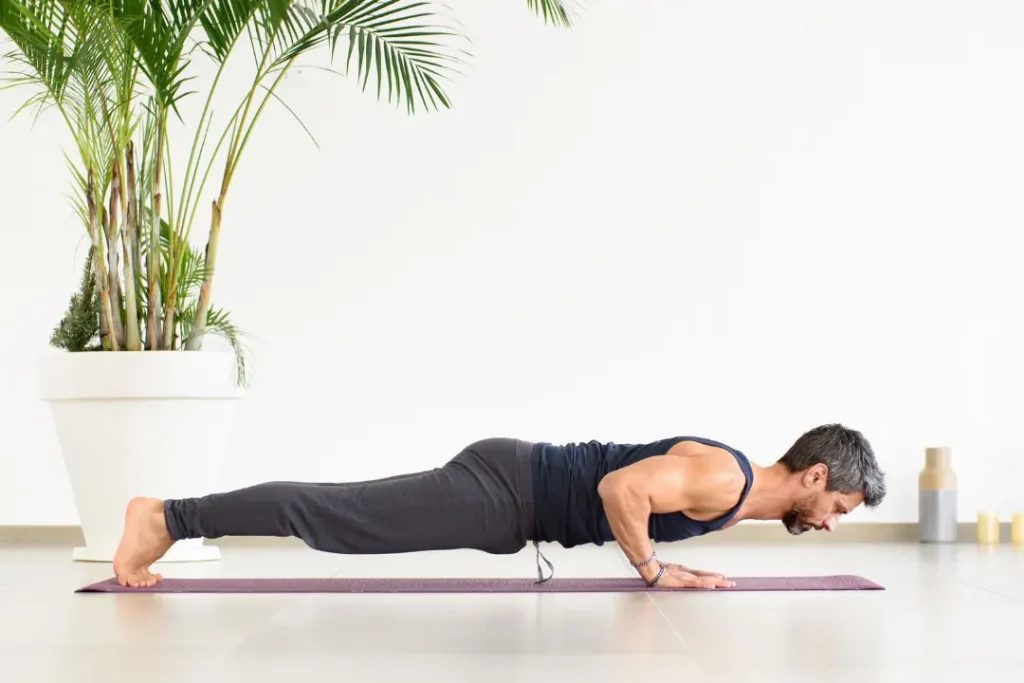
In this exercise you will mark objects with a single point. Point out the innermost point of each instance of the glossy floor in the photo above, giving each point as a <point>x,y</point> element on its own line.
<point>948,613</point>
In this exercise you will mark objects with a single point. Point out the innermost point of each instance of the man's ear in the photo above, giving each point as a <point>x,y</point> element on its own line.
<point>816,475</point>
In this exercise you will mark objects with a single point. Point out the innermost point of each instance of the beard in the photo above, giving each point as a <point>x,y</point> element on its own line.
<point>794,522</point>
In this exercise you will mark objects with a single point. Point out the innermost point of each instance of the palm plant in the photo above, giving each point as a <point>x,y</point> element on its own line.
<point>117,71</point>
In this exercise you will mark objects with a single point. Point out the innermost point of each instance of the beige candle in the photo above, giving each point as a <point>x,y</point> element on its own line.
<point>988,528</point>
<point>1017,529</point>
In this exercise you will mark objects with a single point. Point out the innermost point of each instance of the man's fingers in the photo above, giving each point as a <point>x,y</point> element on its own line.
<point>691,580</point>
<point>677,578</point>
<point>714,575</point>
<point>717,581</point>
<point>698,572</point>
<point>707,581</point>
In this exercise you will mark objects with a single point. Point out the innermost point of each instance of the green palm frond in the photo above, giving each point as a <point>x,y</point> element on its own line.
<point>190,275</point>
<point>554,12</point>
<point>119,67</point>
<point>219,322</point>
<point>73,57</point>
<point>403,46</point>
<point>223,23</point>
<point>79,171</point>
<point>64,47</point>
<point>158,32</point>
<point>47,42</point>
<point>50,56</point>
<point>146,121</point>
<point>280,23</point>
<point>79,187</point>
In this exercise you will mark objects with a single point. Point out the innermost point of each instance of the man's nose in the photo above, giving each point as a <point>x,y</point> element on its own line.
<point>831,522</point>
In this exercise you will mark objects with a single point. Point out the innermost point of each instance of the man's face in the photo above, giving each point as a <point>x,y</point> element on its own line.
<point>819,509</point>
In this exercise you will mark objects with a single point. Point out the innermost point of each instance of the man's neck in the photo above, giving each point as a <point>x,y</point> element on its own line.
<point>771,494</point>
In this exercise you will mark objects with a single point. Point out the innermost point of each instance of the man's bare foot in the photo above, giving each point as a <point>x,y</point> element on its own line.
<point>145,541</point>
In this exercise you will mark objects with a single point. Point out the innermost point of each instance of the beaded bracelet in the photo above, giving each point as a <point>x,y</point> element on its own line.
<point>657,578</point>
<point>645,562</point>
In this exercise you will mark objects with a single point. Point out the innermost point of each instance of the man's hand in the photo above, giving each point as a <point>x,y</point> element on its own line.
<point>681,578</point>
<point>678,576</point>
<point>691,570</point>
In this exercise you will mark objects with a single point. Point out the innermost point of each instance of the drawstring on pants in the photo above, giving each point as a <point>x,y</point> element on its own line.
<point>540,572</point>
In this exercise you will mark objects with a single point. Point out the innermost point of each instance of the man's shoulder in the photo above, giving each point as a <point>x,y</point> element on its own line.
<point>710,453</point>
<point>713,470</point>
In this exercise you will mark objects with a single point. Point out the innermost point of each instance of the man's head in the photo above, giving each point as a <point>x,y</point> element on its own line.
<point>834,471</point>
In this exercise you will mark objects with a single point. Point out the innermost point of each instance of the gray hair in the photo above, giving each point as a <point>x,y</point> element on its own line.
<point>847,454</point>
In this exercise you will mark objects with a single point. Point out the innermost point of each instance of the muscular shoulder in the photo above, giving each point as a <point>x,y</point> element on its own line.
<point>715,480</point>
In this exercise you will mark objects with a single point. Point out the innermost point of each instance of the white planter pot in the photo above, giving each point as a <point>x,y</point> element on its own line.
<point>139,424</point>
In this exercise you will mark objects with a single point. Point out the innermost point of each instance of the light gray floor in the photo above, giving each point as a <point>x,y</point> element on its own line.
<point>949,613</point>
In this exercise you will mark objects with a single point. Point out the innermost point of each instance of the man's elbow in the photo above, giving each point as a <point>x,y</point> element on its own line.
<point>612,487</point>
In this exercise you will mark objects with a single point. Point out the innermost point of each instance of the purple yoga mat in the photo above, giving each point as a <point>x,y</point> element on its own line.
<point>339,585</point>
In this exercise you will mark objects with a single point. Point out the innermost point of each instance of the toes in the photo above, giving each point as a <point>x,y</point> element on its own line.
<point>140,580</point>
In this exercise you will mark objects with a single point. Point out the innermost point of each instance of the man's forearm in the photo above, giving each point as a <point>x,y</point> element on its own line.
<point>628,515</point>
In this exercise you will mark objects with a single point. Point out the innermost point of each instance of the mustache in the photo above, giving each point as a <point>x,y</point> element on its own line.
<point>796,525</point>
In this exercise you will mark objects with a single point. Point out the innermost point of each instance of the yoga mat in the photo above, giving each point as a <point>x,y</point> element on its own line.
<point>340,585</point>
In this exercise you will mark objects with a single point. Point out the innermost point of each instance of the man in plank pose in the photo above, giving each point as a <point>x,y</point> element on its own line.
<point>497,495</point>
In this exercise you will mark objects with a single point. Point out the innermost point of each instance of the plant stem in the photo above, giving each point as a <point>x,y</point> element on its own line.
<point>195,339</point>
<point>173,266</point>
<point>111,230</point>
<point>256,118</point>
<point>172,300</point>
<point>237,139</point>
<point>190,170</point>
<point>110,339</point>
<point>153,260</point>
<point>134,236</point>
<point>209,167</point>
<point>128,242</point>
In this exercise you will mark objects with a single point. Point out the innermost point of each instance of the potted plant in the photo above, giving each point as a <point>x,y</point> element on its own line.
<point>137,411</point>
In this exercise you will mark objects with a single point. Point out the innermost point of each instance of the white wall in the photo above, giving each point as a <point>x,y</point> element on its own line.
<point>733,219</point>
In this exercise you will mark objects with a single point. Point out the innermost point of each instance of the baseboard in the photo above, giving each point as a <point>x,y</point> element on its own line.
<point>866,532</point>
<point>862,532</point>
<point>72,536</point>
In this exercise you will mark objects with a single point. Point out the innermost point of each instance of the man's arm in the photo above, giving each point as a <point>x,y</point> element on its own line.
<point>656,485</point>
<point>630,495</point>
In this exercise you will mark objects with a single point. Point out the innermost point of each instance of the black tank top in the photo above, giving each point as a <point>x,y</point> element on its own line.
<point>568,510</point>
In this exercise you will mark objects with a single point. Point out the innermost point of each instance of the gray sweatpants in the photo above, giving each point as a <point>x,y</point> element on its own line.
<point>481,499</point>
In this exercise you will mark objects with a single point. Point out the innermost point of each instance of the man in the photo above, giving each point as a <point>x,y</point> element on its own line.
<point>499,494</point>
